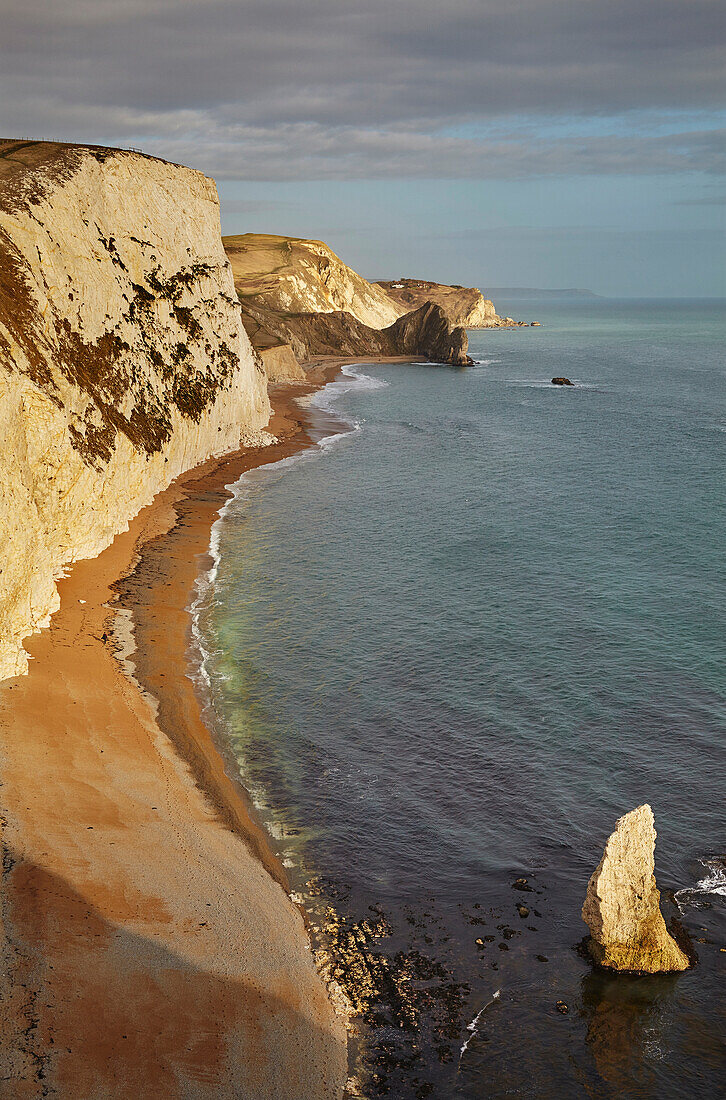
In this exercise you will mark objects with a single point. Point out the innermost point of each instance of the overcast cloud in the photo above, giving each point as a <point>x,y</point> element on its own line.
<point>316,89</point>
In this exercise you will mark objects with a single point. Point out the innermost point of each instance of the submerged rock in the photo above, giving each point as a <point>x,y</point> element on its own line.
<point>562,382</point>
<point>622,905</point>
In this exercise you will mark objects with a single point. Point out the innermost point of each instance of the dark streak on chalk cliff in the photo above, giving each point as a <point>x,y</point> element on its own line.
<point>138,369</point>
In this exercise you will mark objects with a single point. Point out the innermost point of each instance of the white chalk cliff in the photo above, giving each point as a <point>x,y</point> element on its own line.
<point>123,359</point>
<point>290,275</point>
<point>464,306</point>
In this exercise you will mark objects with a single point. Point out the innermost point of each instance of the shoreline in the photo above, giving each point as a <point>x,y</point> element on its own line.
<point>148,946</point>
<point>159,593</point>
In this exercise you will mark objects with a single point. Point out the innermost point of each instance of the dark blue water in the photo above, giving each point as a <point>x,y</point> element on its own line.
<point>450,648</point>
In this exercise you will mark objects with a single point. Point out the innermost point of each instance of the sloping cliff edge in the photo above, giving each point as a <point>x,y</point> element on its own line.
<point>123,357</point>
<point>299,300</point>
<point>465,306</point>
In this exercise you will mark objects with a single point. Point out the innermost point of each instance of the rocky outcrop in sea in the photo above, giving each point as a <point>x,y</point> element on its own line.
<point>622,905</point>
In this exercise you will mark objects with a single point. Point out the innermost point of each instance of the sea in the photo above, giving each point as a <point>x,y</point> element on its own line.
<point>447,648</point>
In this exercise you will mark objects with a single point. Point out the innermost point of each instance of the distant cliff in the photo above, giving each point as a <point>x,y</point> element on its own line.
<point>300,300</point>
<point>465,306</point>
<point>123,358</point>
<point>289,275</point>
<point>425,332</point>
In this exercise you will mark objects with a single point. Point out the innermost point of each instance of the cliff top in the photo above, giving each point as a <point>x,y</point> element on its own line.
<point>23,160</point>
<point>293,275</point>
<point>464,305</point>
<point>259,259</point>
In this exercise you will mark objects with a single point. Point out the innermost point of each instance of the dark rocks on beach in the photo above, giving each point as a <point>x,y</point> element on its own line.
<point>523,911</point>
<point>562,1007</point>
<point>521,884</point>
<point>562,382</point>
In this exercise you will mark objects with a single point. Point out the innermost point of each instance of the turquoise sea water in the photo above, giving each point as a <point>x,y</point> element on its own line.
<point>450,647</point>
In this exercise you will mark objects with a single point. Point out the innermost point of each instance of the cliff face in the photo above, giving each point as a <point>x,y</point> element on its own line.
<point>123,358</point>
<point>426,332</point>
<point>464,306</point>
<point>288,275</point>
<point>429,331</point>
<point>299,300</point>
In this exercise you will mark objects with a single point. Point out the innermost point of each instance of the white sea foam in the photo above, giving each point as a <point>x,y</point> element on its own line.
<point>546,384</point>
<point>532,383</point>
<point>713,882</point>
<point>204,590</point>
<point>473,1027</point>
<point>353,379</point>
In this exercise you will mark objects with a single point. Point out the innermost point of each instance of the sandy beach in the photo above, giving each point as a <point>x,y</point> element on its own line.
<point>149,946</point>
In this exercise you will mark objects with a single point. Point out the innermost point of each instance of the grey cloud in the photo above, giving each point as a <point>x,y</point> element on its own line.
<point>311,151</point>
<point>229,149</point>
<point>330,88</point>
<point>369,60</point>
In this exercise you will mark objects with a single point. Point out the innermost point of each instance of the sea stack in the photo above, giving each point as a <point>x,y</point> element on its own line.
<point>622,905</point>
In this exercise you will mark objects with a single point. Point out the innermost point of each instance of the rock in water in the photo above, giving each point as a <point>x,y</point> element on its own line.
<point>562,382</point>
<point>622,905</point>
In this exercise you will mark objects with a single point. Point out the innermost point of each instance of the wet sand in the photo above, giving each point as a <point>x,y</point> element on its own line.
<point>149,946</point>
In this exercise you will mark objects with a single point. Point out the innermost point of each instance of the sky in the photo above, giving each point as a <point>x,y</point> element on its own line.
<point>552,143</point>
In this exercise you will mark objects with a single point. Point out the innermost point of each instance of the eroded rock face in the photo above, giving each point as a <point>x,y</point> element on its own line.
<point>300,300</point>
<point>288,275</point>
<point>622,905</point>
<point>425,333</point>
<point>428,331</point>
<point>123,358</point>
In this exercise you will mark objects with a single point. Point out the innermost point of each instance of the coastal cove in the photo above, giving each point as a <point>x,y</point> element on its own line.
<point>406,876</point>
<point>449,650</point>
<point>362,531</point>
<point>147,932</point>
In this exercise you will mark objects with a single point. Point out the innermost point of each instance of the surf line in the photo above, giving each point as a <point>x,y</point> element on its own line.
<point>473,1027</point>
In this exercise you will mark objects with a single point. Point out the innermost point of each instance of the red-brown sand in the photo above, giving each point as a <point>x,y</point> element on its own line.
<point>150,948</point>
